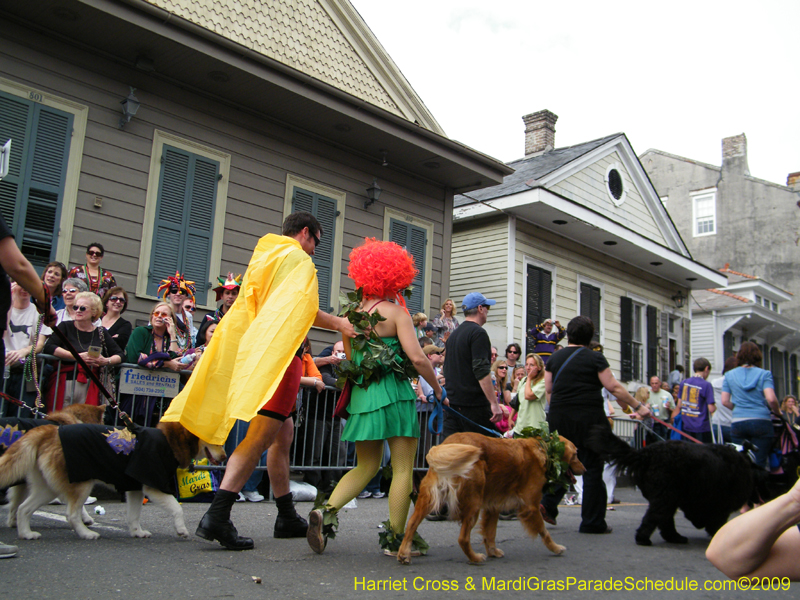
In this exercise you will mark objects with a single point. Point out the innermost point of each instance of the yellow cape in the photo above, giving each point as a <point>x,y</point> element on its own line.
<point>254,344</point>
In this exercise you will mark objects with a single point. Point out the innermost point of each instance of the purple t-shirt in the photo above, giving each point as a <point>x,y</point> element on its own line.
<point>696,394</point>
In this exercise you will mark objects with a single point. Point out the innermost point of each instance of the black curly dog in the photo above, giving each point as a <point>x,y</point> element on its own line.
<point>706,481</point>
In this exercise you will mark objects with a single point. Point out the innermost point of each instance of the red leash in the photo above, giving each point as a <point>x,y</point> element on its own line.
<point>668,426</point>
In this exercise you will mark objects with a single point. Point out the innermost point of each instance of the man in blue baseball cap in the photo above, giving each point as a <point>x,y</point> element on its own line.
<point>467,371</point>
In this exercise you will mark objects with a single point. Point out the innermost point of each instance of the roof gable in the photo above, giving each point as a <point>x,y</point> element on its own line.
<point>325,39</point>
<point>577,174</point>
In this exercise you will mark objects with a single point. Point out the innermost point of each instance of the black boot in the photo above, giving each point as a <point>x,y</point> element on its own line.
<point>216,523</point>
<point>289,524</point>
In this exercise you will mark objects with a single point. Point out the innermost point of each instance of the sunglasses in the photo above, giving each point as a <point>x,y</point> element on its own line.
<point>513,352</point>
<point>190,308</point>
<point>81,308</point>
<point>116,299</point>
<point>160,314</point>
<point>69,291</point>
<point>504,368</point>
<point>94,253</point>
<point>316,240</point>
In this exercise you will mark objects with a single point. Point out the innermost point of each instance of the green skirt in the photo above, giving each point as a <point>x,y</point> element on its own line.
<point>384,410</point>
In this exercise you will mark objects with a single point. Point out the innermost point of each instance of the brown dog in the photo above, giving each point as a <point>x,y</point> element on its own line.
<point>65,461</point>
<point>470,472</point>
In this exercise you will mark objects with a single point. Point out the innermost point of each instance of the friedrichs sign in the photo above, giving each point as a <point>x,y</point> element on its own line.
<point>149,383</point>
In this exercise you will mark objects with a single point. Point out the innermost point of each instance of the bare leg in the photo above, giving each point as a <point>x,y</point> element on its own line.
<point>278,458</point>
<point>260,436</point>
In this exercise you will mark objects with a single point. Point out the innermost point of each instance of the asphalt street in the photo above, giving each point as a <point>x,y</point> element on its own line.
<point>60,565</point>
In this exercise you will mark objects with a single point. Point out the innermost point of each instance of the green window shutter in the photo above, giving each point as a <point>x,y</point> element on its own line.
<point>32,194</point>
<point>184,225</point>
<point>325,211</point>
<point>414,239</point>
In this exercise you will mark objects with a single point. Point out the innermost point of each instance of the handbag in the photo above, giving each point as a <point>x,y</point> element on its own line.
<point>197,486</point>
<point>341,412</point>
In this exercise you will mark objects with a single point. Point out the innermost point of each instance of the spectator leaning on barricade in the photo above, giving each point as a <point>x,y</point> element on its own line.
<point>227,291</point>
<point>546,339</point>
<point>96,279</point>
<point>425,403</point>
<point>152,346</point>
<point>696,402</point>
<point>20,341</point>
<point>53,276</point>
<point>95,346</point>
<point>323,432</point>
<point>419,320</point>
<point>115,302</point>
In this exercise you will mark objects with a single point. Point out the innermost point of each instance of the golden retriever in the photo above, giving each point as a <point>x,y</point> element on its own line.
<point>470,472</point>
<point>39,459</point>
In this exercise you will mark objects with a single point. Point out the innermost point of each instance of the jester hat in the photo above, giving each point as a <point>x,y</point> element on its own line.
<point>228,283</point>
<point>177,284</point>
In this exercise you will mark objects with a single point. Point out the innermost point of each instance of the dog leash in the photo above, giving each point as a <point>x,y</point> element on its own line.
<point>34,410</point>
<point>668,426</point>
<point>450,409</point>
<point>437,413</point>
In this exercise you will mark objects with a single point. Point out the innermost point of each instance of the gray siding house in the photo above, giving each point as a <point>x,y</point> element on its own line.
<point>580,231</point>
<point>727,216</point>
<point>248,111</point>
<point>747,309</point>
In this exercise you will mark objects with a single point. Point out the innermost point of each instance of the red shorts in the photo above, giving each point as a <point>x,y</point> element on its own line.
<point>282,403</point>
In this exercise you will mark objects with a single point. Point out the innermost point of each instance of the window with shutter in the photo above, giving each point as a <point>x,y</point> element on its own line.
<point>590,306</point>
<point>31,195</point>
<point>538,301</point>
<point>184,219</point>
<point>325,210</point>
<point>414,239</point>
<point>652,341</point>
<point>793,373</point>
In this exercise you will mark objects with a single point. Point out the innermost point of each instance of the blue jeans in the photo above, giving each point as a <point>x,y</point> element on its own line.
<point>757,431</point>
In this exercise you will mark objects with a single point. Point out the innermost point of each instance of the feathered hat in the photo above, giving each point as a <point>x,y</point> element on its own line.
<point>177,284</point>
<point>228,283</point>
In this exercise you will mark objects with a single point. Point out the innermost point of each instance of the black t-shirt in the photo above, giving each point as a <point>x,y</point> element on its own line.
<point>468,351</point>
<point>577,387</point>
<point>5,284</point>
<point>81,340</point>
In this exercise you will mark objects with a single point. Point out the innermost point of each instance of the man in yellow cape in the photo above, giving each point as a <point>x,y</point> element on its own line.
<point>251,371</point>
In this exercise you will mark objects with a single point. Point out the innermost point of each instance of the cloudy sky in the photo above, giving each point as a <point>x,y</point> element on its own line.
<point>675,76</point>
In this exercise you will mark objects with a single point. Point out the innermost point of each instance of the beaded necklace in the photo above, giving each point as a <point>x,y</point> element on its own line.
<point>93,282</point>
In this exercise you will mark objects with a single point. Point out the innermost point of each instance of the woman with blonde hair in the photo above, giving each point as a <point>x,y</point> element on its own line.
<point>789,410</point>
<point>532,396</point>
<point>94,344</point>
<point>446,321</point>
<point>383,407</point>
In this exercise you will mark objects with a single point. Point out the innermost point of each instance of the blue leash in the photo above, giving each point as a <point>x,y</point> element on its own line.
<point>438,415</point>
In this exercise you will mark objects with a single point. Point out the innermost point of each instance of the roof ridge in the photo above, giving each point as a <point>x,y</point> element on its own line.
<point>727,269</point>
<point>724,293</point>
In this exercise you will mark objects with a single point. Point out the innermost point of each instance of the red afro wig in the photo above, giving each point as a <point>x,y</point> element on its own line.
<point>383,269</point>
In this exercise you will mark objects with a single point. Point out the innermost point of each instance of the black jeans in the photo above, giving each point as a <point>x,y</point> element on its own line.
<point>480,415</point>
<point>593,507</point>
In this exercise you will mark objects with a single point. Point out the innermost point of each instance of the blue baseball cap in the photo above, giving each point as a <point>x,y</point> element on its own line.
<point>476,299</point>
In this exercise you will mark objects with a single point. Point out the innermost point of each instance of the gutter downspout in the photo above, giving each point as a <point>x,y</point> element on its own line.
<point>511,280</point>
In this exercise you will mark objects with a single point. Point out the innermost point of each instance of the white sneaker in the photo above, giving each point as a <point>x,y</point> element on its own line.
<point>364,494</point>
<point>252,496</point>
<point>378,495</point>
<point>90,500</point>
<point>241,498</point>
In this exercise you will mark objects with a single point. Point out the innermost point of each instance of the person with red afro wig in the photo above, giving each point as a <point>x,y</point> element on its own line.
<point>382,269</point>
<point>386,409</point>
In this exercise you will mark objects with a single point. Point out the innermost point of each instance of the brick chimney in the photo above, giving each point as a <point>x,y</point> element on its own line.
<point>540,132</point>
<point>734,154</point>
<point>793,181</point>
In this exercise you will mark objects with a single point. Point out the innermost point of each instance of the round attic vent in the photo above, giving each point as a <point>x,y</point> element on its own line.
<point>615,185</point>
